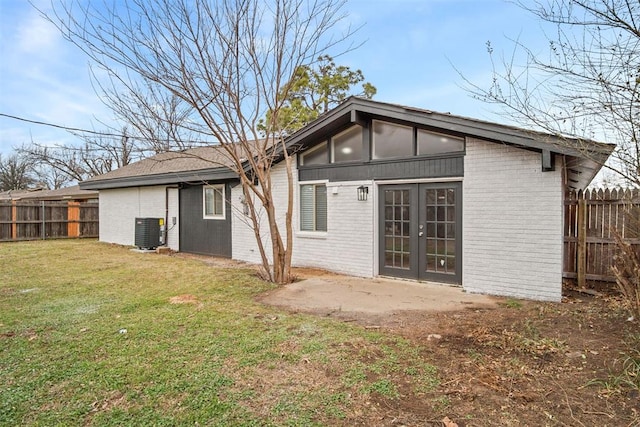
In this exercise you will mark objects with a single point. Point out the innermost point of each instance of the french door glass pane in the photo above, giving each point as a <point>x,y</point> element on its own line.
<point>397,252</point>
<point>440,230</point>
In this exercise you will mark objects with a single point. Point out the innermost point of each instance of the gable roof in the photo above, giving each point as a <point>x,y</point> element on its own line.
<point>197,164</point>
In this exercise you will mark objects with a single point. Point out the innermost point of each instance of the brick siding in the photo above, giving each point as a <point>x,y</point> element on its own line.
<point>512,223</point>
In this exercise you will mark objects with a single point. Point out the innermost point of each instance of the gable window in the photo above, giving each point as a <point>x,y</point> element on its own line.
<point>437,143</point>
<point>318,155</point>
<point>347,145</point>
<point>391,140</point>
<point>313,207</point>
<point>213,202</point>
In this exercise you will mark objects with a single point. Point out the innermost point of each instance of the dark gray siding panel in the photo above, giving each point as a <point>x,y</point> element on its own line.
<point>404,169</point>
<point>199,235</point>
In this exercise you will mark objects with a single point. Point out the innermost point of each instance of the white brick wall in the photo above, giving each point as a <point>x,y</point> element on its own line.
<point>346,247</point>
<point>243,245</point>
<point>119,208</point>
<point>512,223</point>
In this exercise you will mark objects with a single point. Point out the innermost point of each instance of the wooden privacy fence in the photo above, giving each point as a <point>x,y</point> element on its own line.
<point>592,219</point>
<point>34,220</point>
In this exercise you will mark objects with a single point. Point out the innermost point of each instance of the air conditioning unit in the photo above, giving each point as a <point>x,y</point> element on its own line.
<point>148,232</point>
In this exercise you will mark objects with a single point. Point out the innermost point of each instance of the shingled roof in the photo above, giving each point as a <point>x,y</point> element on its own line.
<point>67,193</point>
<point>197,164</point>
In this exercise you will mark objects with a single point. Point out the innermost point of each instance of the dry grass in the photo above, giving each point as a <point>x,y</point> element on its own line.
<point>95,334</point>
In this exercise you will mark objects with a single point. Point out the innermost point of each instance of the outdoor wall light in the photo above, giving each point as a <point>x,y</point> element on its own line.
<point>245,206</point>
<point>363,192</point>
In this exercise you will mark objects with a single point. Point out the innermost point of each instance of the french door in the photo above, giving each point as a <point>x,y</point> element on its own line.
<point>420,231</point>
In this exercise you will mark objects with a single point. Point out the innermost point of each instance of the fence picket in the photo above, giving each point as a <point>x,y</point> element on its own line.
<point>21,220</point>
<point>589,238</point>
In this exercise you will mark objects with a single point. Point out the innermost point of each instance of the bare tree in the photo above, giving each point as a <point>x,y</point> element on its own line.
<point>160,118</point>
<point>588,84</point>
<point>16,173</point>
<point>228,61</point>
<point>99,154</point>
<point>50,178</point>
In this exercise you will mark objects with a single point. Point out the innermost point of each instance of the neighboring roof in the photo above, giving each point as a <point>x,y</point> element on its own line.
<point>206,163</point>
<point>15,194</point>
<point>68,193</point>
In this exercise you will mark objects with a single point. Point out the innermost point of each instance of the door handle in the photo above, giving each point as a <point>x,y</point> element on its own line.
<point>420,234</point>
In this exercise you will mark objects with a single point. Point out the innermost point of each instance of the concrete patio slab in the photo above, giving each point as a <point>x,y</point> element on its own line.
<point>335,293</point>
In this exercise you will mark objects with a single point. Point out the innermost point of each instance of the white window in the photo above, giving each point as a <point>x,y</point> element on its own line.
<point>213,202</point>
<point>313,207</point>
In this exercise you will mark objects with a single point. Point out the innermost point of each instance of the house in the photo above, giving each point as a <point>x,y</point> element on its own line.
<point>381,190</point>
<point>72,193</point>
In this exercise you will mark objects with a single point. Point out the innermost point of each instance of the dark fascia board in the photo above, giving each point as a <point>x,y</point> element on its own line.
<point>471,127</point>
<point>217,174</point>
<point>334,119</point>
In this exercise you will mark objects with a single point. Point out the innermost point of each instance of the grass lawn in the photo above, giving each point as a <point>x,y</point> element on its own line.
<point>89,336</point>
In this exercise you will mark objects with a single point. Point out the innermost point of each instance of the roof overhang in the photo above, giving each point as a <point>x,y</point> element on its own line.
<point>199,176</point>
<point>580,172</point>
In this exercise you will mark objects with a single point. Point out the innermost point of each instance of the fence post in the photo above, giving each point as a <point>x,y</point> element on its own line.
<point>581,264</point>
<point>14,220</point>
<point>44,223</point>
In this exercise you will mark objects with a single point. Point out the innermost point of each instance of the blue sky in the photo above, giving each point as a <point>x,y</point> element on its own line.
<point>408,52</point>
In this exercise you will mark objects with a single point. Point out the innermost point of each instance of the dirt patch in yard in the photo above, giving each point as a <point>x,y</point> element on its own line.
<point>501,362</point>
<point>185,299</point>
<point>528,364</point>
